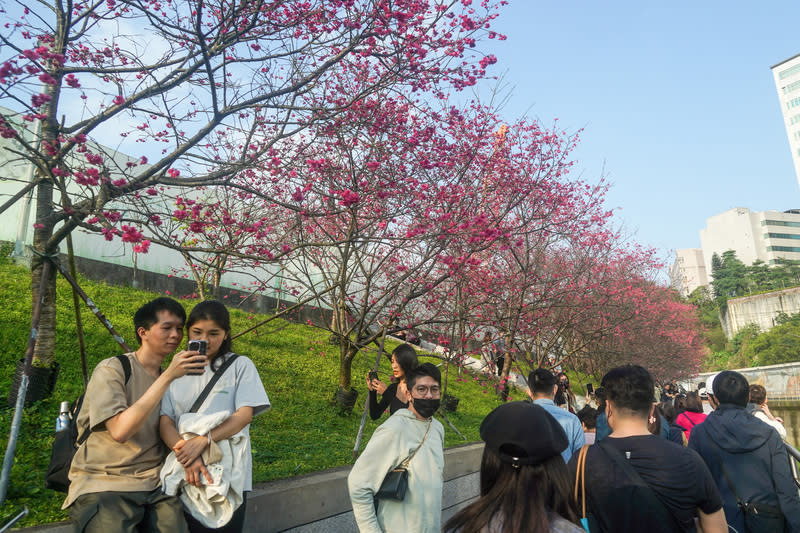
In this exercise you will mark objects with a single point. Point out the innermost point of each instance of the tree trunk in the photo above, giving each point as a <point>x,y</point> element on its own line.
<point>346,395</point>
<point>46,335</point>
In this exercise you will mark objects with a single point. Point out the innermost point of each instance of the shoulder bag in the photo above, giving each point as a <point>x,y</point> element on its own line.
<point>580,486</point>
<point>67,441</point>
<point>758,517</point>
<point>662,515</point>
<point>210,385</point>
<point>395,483</point>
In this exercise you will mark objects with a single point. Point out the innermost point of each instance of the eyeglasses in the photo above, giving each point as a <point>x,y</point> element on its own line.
<point>422,390</point>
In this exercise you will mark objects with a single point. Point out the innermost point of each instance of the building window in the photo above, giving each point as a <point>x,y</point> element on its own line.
<point>783,249</point>
<point>781,236</point>
<point>791,71</point>
<point>780,223</point>
<point>795,85</point>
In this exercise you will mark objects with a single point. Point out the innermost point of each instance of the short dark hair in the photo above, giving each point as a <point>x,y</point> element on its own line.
<point>694,403</point>
<point>406,358</point>
<point>731,387</point>
<point>147,315</point>
<point>680,403</point>
<point>541,381</point>
<point>630,389</point>
<point>588,416</point>
<point>758,394</point>
<point>425,369</point>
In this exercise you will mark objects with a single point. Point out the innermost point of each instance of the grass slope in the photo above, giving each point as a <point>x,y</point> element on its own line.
<point>302,432</point>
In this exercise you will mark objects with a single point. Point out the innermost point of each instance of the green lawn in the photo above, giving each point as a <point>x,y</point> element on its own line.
<point>302,432</point>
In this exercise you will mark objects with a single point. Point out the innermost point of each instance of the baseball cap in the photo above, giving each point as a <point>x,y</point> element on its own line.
<point>523,433</point>
<point>710,384</point>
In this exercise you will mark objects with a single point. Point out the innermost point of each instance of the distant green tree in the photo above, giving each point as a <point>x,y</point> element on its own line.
<point>730,277</point>
<point>781,344</point>
<point>760,276</point>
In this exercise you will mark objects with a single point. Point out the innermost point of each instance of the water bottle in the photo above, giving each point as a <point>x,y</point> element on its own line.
<point>63,420</point>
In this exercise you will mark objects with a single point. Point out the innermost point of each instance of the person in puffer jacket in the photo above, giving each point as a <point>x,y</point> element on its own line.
<point>752,454</point>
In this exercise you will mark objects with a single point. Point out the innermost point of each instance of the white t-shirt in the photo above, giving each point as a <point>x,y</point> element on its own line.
<point>239,386</point>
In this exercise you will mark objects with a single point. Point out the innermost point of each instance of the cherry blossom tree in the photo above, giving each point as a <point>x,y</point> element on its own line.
<point>198,93</point>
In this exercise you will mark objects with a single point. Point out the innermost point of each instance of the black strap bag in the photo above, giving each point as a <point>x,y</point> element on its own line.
<point>658,512</point>
<point>758,517</point>
<point>67,442</point>
<point>395,483</point>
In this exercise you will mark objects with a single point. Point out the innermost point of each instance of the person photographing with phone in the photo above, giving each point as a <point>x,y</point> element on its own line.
<point>393,396</point>
<point>115,484</point>
<point>205,420</point>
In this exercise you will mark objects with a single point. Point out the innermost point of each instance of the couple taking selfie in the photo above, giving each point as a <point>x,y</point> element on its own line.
<point>200,406</point>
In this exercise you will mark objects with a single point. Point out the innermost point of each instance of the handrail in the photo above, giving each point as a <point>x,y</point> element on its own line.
<point>794,458</point>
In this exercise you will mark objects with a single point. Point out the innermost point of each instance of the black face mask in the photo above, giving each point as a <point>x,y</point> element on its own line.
<point>426,407</point>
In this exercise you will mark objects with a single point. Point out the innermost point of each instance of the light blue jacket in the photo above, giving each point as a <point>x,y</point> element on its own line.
<point>570,423</point>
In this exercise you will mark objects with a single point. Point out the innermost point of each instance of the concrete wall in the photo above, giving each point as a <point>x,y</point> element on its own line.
<point>760,309</point>
<point>783,392</point>
<point>319,502</point>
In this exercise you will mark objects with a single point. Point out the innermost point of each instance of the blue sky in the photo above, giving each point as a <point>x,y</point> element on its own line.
<point>677,102</point>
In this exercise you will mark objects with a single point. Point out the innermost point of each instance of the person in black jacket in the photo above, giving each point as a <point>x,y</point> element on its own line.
<point>746,456</point>
<point>404,359</point>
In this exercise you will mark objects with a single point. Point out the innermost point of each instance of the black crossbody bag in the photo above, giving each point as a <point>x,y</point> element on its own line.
<point>758,517</point>
<point>395,483</point>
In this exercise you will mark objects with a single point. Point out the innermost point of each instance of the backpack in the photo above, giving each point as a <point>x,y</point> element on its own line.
<point>67,442</point>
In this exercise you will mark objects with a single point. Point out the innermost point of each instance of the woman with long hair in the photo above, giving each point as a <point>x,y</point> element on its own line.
<point>525,486</point>
<point>393,396</point>
<point>236,398</point>
<point>564,397</point>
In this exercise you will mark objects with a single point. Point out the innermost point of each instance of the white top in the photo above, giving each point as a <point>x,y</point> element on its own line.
<point>239,386</point>
<point>213,504</point>
<point>392,442</point>
<point>773,423</point>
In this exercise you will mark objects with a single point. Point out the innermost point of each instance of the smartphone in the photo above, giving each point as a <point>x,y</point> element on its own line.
<point>589,388</point>
<point>373,375</point>
<point>197,346</point>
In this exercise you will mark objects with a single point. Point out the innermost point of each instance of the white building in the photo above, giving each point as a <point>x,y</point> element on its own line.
<point>787,81</point>
<point>753,235</point>
<point>688,272</point>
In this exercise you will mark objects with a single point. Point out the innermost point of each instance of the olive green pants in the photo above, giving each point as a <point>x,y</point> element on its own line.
<point>128,512</point>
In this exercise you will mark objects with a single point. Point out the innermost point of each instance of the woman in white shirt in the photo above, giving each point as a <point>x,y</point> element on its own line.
<point>236,398</point>
<point>758,406</point>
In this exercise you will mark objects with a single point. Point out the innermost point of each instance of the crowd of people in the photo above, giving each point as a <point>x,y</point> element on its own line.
<point>710,460</point>
<point>623,463</point>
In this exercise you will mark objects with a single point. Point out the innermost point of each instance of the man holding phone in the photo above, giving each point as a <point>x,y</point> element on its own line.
<point>115,483</point>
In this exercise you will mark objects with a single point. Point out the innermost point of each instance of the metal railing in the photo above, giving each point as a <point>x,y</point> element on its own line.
<point>794,459</point>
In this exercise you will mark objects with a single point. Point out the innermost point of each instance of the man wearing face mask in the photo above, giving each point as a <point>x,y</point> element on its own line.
<point>411,432</point>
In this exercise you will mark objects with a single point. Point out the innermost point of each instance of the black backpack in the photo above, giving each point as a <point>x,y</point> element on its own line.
<point>66,442</point>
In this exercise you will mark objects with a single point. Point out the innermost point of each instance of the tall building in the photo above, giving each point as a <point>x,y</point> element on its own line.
<point>753,235</point>
<point>787,81</point>
<point>688,271</point>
